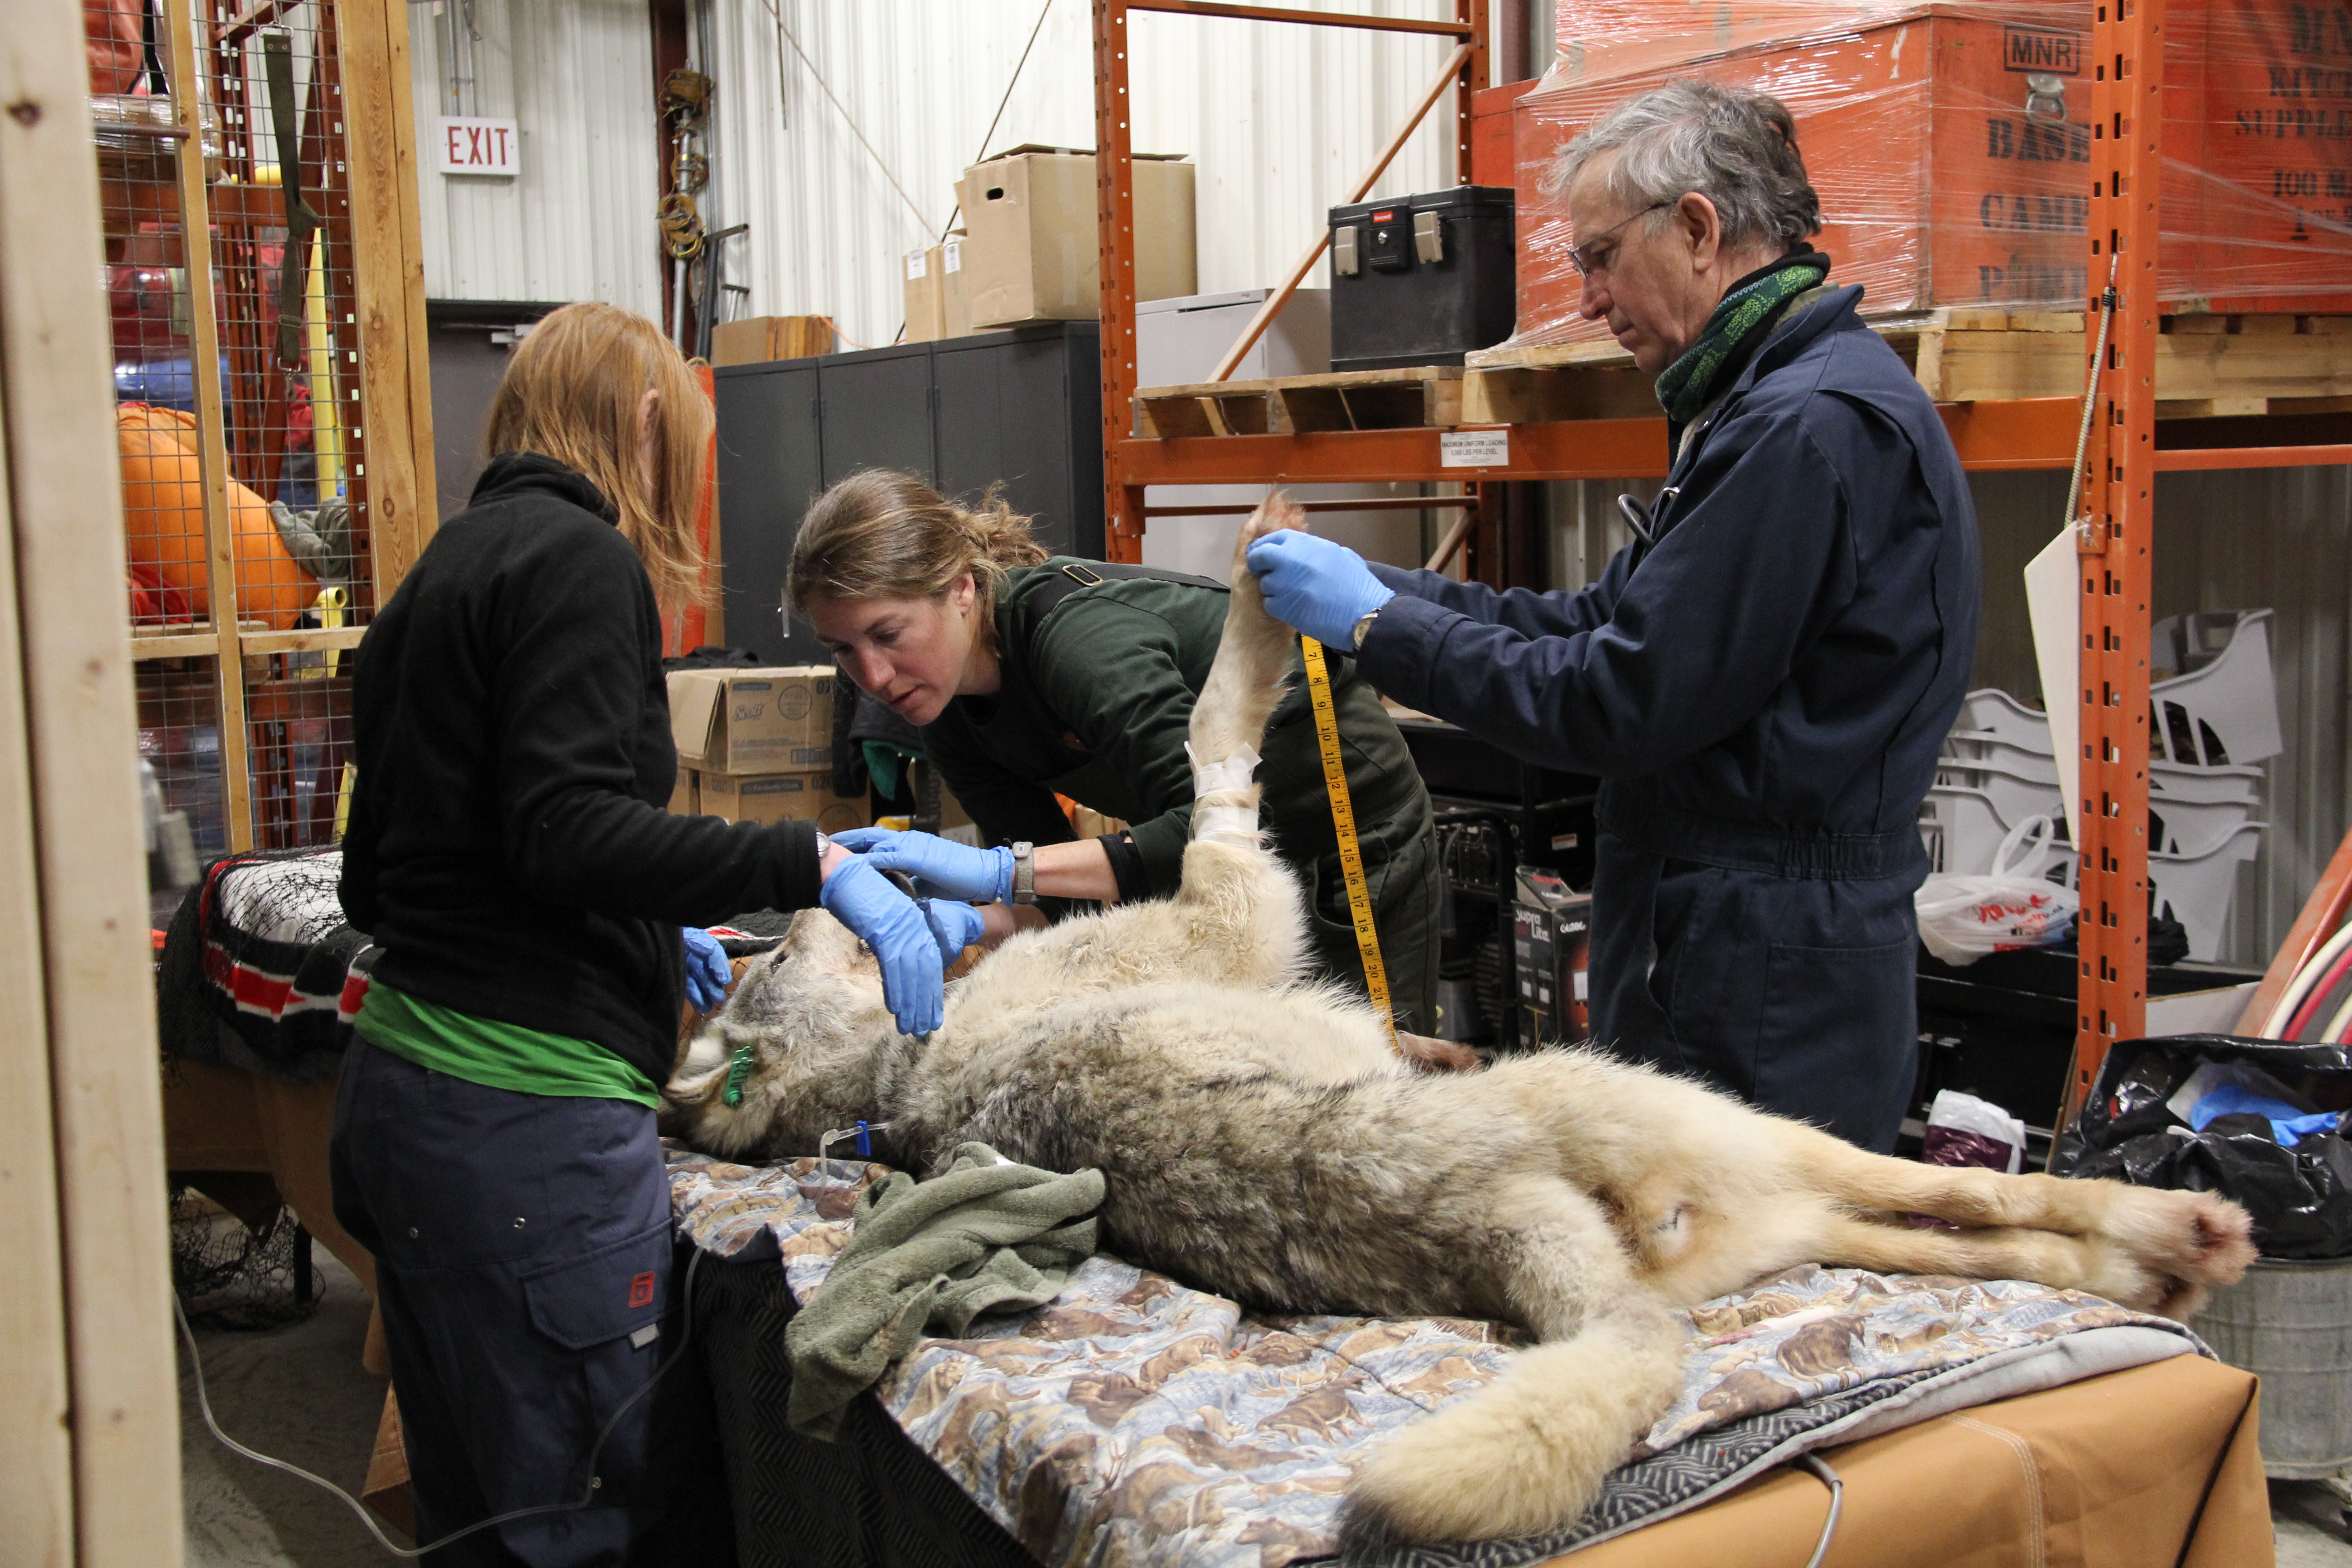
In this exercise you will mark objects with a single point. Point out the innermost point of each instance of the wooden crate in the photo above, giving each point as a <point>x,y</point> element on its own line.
<point>2206,366</point>
<point>1412,396</point>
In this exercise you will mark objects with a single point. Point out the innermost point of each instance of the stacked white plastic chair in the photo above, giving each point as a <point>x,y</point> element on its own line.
<point>2212,722</point>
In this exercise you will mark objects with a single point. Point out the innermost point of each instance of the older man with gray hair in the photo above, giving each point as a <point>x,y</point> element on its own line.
<point>1763,677</point>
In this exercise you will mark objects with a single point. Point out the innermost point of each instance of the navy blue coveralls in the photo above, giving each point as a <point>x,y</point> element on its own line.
<point>1763,693</point>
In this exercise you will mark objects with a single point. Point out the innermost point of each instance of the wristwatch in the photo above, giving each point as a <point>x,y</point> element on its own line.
<point>1364,626</point>
<point>1025,872</point>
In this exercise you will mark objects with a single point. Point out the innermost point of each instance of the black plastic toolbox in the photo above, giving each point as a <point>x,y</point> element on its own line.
<point>1421,280</point>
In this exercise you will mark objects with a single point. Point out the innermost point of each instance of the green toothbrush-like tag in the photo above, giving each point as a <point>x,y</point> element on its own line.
<point>738,1067</point>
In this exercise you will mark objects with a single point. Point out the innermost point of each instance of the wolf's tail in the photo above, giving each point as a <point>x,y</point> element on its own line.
<point>1529,1453</point>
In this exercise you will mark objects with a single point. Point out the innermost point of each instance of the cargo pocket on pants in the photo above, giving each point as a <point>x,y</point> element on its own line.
<point>617,1291</point>
<point>1836,1043</point>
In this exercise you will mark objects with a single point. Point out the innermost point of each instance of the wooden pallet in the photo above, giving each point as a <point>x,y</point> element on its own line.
<point>2206,366</point>
<point>1403,399</point>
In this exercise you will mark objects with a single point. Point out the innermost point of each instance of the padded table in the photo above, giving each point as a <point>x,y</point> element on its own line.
<point>2156,1465</point>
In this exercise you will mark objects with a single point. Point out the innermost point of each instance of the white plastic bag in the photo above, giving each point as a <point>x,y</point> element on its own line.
<point>1961,919</point>
<point>1965,1130</point>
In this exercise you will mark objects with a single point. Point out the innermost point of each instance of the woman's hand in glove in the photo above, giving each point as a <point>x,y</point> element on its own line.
<point>1320,588</point>
<point>957,926</point>
<point>860,896</point>
<point>941,867</point>
<point>707,973</point>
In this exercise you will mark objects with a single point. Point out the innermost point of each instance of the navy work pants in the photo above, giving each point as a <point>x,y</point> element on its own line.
<point>529,1284</point>
<point>1796,994</point>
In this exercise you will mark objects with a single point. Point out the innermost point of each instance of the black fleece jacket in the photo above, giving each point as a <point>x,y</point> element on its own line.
<point>508,846</point>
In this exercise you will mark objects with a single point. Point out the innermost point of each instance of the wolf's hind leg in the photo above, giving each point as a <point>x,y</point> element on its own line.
<point>1529,1452</point>
<point>2175,1245</point>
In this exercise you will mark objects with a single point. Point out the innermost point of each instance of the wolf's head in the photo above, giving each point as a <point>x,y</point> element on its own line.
<point>802,1043</point>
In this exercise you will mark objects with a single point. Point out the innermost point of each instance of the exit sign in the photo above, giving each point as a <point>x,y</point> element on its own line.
<point>476,147</point>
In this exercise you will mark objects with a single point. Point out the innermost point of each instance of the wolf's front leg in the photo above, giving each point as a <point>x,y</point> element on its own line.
<point>1244,906</point>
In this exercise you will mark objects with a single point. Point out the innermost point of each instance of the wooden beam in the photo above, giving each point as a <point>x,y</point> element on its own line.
<point>37,1497</point>
<point>212,447</point>
<point>80,762</point>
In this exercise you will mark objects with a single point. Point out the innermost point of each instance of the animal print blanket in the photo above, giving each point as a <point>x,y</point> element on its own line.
<point>1133,1422</point>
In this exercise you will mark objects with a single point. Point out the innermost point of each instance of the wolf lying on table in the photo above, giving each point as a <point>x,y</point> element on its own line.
<point>1261,1139</point>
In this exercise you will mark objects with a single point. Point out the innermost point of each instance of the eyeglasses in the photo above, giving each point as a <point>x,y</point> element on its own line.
<point>1581,256</point>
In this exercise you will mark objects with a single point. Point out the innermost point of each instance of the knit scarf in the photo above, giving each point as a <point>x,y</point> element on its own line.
<point>1734,332</point>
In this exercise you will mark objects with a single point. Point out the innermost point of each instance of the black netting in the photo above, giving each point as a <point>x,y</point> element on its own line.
<point>244,1274</point>
<point>871,1501</point>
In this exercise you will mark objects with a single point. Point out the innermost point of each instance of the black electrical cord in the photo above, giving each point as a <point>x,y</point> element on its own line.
<point>595,1481</point>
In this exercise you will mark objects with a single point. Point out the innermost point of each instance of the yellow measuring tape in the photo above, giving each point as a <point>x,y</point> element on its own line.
<point>1343,819</point>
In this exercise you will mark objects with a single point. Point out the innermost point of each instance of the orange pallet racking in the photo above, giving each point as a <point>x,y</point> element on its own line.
<point>2116,430</point>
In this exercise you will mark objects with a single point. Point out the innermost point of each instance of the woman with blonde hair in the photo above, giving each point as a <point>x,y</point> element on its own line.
<point>510,854</point>
<point>1030,676</point>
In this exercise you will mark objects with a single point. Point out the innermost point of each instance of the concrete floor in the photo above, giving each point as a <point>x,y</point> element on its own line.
<point>301,1393</point>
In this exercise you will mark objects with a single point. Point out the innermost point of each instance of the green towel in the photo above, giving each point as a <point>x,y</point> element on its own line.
<point>984,1234</point>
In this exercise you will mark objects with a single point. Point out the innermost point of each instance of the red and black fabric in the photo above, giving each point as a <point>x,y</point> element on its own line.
<point>260,971</point>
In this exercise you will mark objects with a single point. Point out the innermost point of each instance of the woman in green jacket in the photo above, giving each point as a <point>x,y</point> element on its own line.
<point>1031,676</point>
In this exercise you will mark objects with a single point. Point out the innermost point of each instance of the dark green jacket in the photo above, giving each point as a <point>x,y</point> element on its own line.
<point>1095,704</point>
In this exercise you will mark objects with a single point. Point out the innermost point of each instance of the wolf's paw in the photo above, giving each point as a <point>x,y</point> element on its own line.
<point>2195,1240</point>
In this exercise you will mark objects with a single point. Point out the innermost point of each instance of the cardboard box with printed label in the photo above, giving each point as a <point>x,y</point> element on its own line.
<point>925,306</point>
<point>782,797</point>
<point>753,721</point>
<point>1034,256</point>
<point>684,797</point>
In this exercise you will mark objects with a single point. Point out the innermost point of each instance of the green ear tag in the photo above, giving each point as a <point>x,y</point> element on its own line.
<point>738,1067</point>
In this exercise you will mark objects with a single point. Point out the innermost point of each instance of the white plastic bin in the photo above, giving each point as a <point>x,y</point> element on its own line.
<point>2224,708</point>
<point>1995,713</point>
<point>2196,889</point>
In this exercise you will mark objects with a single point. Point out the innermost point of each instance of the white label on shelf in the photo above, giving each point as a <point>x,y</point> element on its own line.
<point>1474,448</point>
<point>914,264</point>
<point>952,254</point>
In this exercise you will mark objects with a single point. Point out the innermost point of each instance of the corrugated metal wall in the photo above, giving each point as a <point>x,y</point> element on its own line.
<point>1278,119</point>
<point>578,223</point>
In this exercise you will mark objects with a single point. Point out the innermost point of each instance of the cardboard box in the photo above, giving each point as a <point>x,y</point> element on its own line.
<point>926,305</point>
<point>782,797</point>
<point>757,339</point>
<point>752,720</point>
<point>1033,252</point>
<point>1551,942</point>
<point>938,303</point>
<point>683,799</point>
<point>955,291</point>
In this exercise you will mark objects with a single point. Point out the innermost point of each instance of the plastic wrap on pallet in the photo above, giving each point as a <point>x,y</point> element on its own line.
<point>1951,145</point>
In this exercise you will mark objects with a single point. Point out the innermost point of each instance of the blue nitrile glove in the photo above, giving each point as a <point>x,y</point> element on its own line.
<point>707,973</point>
<point>1321,588</point>
<point>941,867</point>
<point>861,898</point>
<point>957,926</point>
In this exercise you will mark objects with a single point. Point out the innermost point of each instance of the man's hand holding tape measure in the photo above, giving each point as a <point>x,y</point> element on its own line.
<point>1323,590</point>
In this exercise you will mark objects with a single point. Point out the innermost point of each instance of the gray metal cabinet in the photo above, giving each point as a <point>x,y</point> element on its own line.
<point>1023,409</point>
<point>1020,409</point>
<point>769,470</point>
<point>877,411</point>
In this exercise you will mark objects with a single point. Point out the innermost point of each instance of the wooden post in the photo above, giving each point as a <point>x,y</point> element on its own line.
<point>75,756</point>
<point>211,450</point>
<point>387,260</point>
